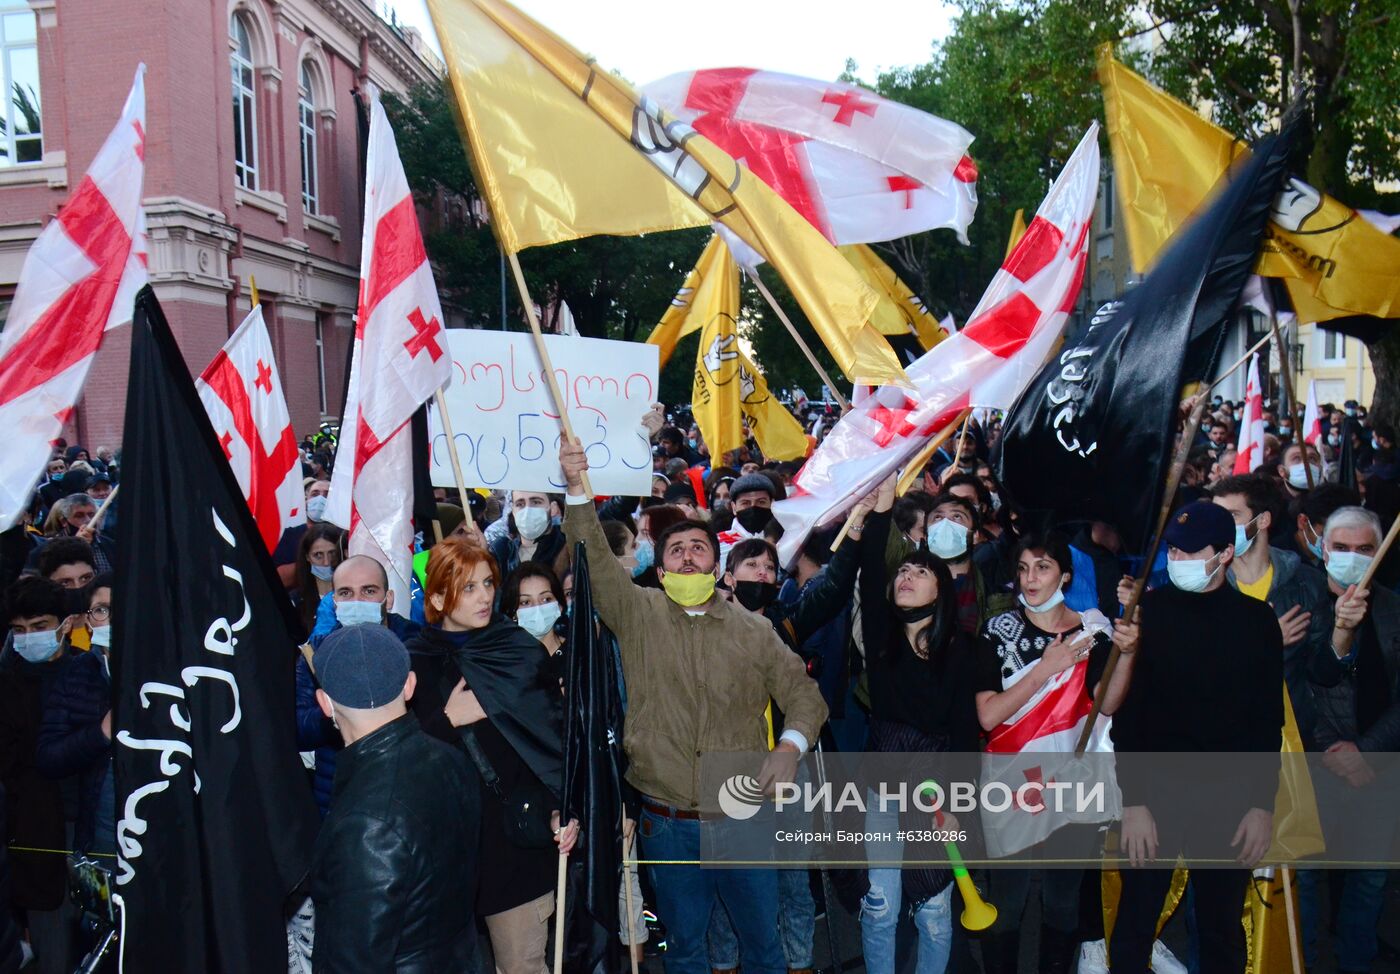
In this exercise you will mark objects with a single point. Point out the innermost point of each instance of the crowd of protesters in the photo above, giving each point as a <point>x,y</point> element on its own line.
<point>424,729</point>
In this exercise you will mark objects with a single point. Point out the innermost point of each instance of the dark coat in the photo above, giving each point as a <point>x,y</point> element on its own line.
<point>9,932</point>
<point>71,741</point>
<point>35,809</point>
<point>1334,683</point>
<point>393,871</point>
<point>550,550</point>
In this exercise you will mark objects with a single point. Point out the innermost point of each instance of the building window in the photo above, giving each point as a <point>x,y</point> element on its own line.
<point>306,113</point>
<point>1334,348</point>
<point>1108,201</point>
<point>245,113</point>
<point>321,360</point>
<point>21,136</point>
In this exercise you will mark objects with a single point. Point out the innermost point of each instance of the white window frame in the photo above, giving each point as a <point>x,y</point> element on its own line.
<point>1324,339</point>
<point>8,113</point>
<point>321,359</point>
<point>306,121</point>
<point>245,103</point>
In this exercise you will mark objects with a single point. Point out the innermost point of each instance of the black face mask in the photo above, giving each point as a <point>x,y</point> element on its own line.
<point>755,596</point>
<point>917,614</point>
<point>754,519</point>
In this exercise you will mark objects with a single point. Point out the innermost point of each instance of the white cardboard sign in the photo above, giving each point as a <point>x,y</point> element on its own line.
<point>505,422</point>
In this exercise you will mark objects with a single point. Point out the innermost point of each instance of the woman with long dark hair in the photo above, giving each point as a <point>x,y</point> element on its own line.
<point>485,685</point>
<point>919,666</point>
<point>322,548</point>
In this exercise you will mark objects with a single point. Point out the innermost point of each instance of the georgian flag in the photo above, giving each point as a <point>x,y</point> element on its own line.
<point>79,280</point>
<point>986,363</point>
<point>859,168</point>
<point>1249,453</point>
<point>242,393</point>
<point>1312,417</point>
<point>400,359</point>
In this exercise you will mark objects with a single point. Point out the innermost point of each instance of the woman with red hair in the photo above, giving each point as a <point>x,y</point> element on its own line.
<point>485,685</point>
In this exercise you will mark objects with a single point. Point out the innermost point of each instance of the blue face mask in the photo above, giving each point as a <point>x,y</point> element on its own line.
<point>36,647</point>
<point>1055,599</point>
<point>1243,539</point>
<point>1191,575</point>
<point>947,539</point>
<point>359,613</point>
<point>1347,567</point>
<point>322,572</point>
<point>538,619</point>
<point>1314,543</point>
<point>646,555</point>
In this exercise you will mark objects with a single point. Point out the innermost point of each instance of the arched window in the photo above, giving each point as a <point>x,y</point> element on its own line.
<point>306,114</point>
<point>245,112</point>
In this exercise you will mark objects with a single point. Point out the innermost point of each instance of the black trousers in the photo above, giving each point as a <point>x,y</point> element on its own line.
<point>1219,899</point>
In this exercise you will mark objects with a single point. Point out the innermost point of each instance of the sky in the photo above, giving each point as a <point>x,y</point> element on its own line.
<point>644,40</point>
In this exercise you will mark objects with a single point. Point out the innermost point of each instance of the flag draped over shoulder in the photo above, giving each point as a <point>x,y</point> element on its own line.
<point>78,280</point>
<point>563,149</point>
<point>900,312</point>
<point>1090,436</point>
<point>593,769</point>
<point>215,817</point>
<point>1003,344</point>
<point>712,273</point>
<point>728,390</point>
<point>400,359</point>
<point>242,393</point>
<point>858,167</point>
<point>1334,263</point>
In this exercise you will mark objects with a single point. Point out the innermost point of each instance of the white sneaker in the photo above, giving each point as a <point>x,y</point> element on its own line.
<point>1164,961</point>
<point>1093,957</point>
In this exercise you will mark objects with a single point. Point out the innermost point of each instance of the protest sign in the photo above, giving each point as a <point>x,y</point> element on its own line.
<point>507,428</point>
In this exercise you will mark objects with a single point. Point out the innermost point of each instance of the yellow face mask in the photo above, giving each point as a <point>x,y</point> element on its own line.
<point>689,590</point>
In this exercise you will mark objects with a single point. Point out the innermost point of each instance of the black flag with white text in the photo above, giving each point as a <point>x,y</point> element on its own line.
<point>215,820</point>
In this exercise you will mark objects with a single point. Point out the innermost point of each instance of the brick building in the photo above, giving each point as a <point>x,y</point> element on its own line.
<point>252,166</point>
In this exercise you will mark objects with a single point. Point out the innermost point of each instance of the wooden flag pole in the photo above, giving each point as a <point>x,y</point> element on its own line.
<point>559,885</point>
<point>920,458</point>
<point>627,890</point>
<point>792,330</point>
<point>1188,436</point>
<point>253,289</point>
<point>560,403</point>
<point>1287,876</point>
<point>962,437</point>
<point>452,454</point>
<point>1286,375</point>
<point>102,511</point>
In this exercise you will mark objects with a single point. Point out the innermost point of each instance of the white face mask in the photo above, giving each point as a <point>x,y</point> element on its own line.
<point>1298,475</point>
<point>102,636</point>
<point>316,508</point>
<point>1055,599</point>
<point>1347,567</point>
<point>947,539</point>
<point>1191,575</point>
<point>538,619</point>
<point>359,613</point>
<point>531,522</point>
<point>37,647</point>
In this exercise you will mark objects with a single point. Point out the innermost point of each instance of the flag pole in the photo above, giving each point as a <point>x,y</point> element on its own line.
<point>452,455</point>
<point>792,330</point>
<point>922,457</point>
<point>1287,875</point>
<point>1286,377</point>
<point>1188,436</point>
<point>962,437</point>
<point>560,403</point>
<point>627,890</point>
<point>106,503</point>
<point>559,884</point>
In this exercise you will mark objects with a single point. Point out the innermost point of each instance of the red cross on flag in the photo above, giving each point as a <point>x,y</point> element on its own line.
<point>986,363</point>
<point>858,167</point>
<point>79,279</point>
<point>400,359</point>
<point>1250,449</point>
<point>242,394</point>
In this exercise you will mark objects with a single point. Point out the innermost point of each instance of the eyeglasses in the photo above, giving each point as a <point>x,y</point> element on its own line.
<point>99,613</point>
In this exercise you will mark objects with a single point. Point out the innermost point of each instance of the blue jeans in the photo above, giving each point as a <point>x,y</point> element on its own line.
<point>797,924</point>
<point>1354,943</point>
<point>879,910</point>
<point>686,896</point>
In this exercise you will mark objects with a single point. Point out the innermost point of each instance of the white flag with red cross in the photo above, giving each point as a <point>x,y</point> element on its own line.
<point>79,279</point>
<point>242,393</point>
<point>986,363</point>
<point>1249,453</point>
<point>1312,416</point>
<point>858,167</point>
<point>400,359</point>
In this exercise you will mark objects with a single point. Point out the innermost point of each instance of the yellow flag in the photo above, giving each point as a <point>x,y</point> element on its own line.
<point>563,149</point>
<point>1018,230</point>
<point>900,311</point>
<point>714,270</point>
<point>728,390</point>
<point>1166,159</point>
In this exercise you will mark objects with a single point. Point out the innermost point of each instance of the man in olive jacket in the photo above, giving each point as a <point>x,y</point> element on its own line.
<point>393,873</point>
<point>700,672</point>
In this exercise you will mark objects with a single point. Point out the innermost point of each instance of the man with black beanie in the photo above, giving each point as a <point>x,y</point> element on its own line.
<point>1207,678</point>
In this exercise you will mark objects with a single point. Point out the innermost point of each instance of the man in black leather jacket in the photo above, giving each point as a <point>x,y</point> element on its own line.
<point>393,875</point>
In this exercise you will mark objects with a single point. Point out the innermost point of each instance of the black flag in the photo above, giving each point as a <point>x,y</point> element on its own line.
<point>215,819</point>
<point>1091,434</point>
<point>593,767</point>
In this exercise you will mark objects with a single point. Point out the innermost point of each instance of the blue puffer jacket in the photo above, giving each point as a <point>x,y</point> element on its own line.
<point>314,729</point>
<point>71,741</point>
